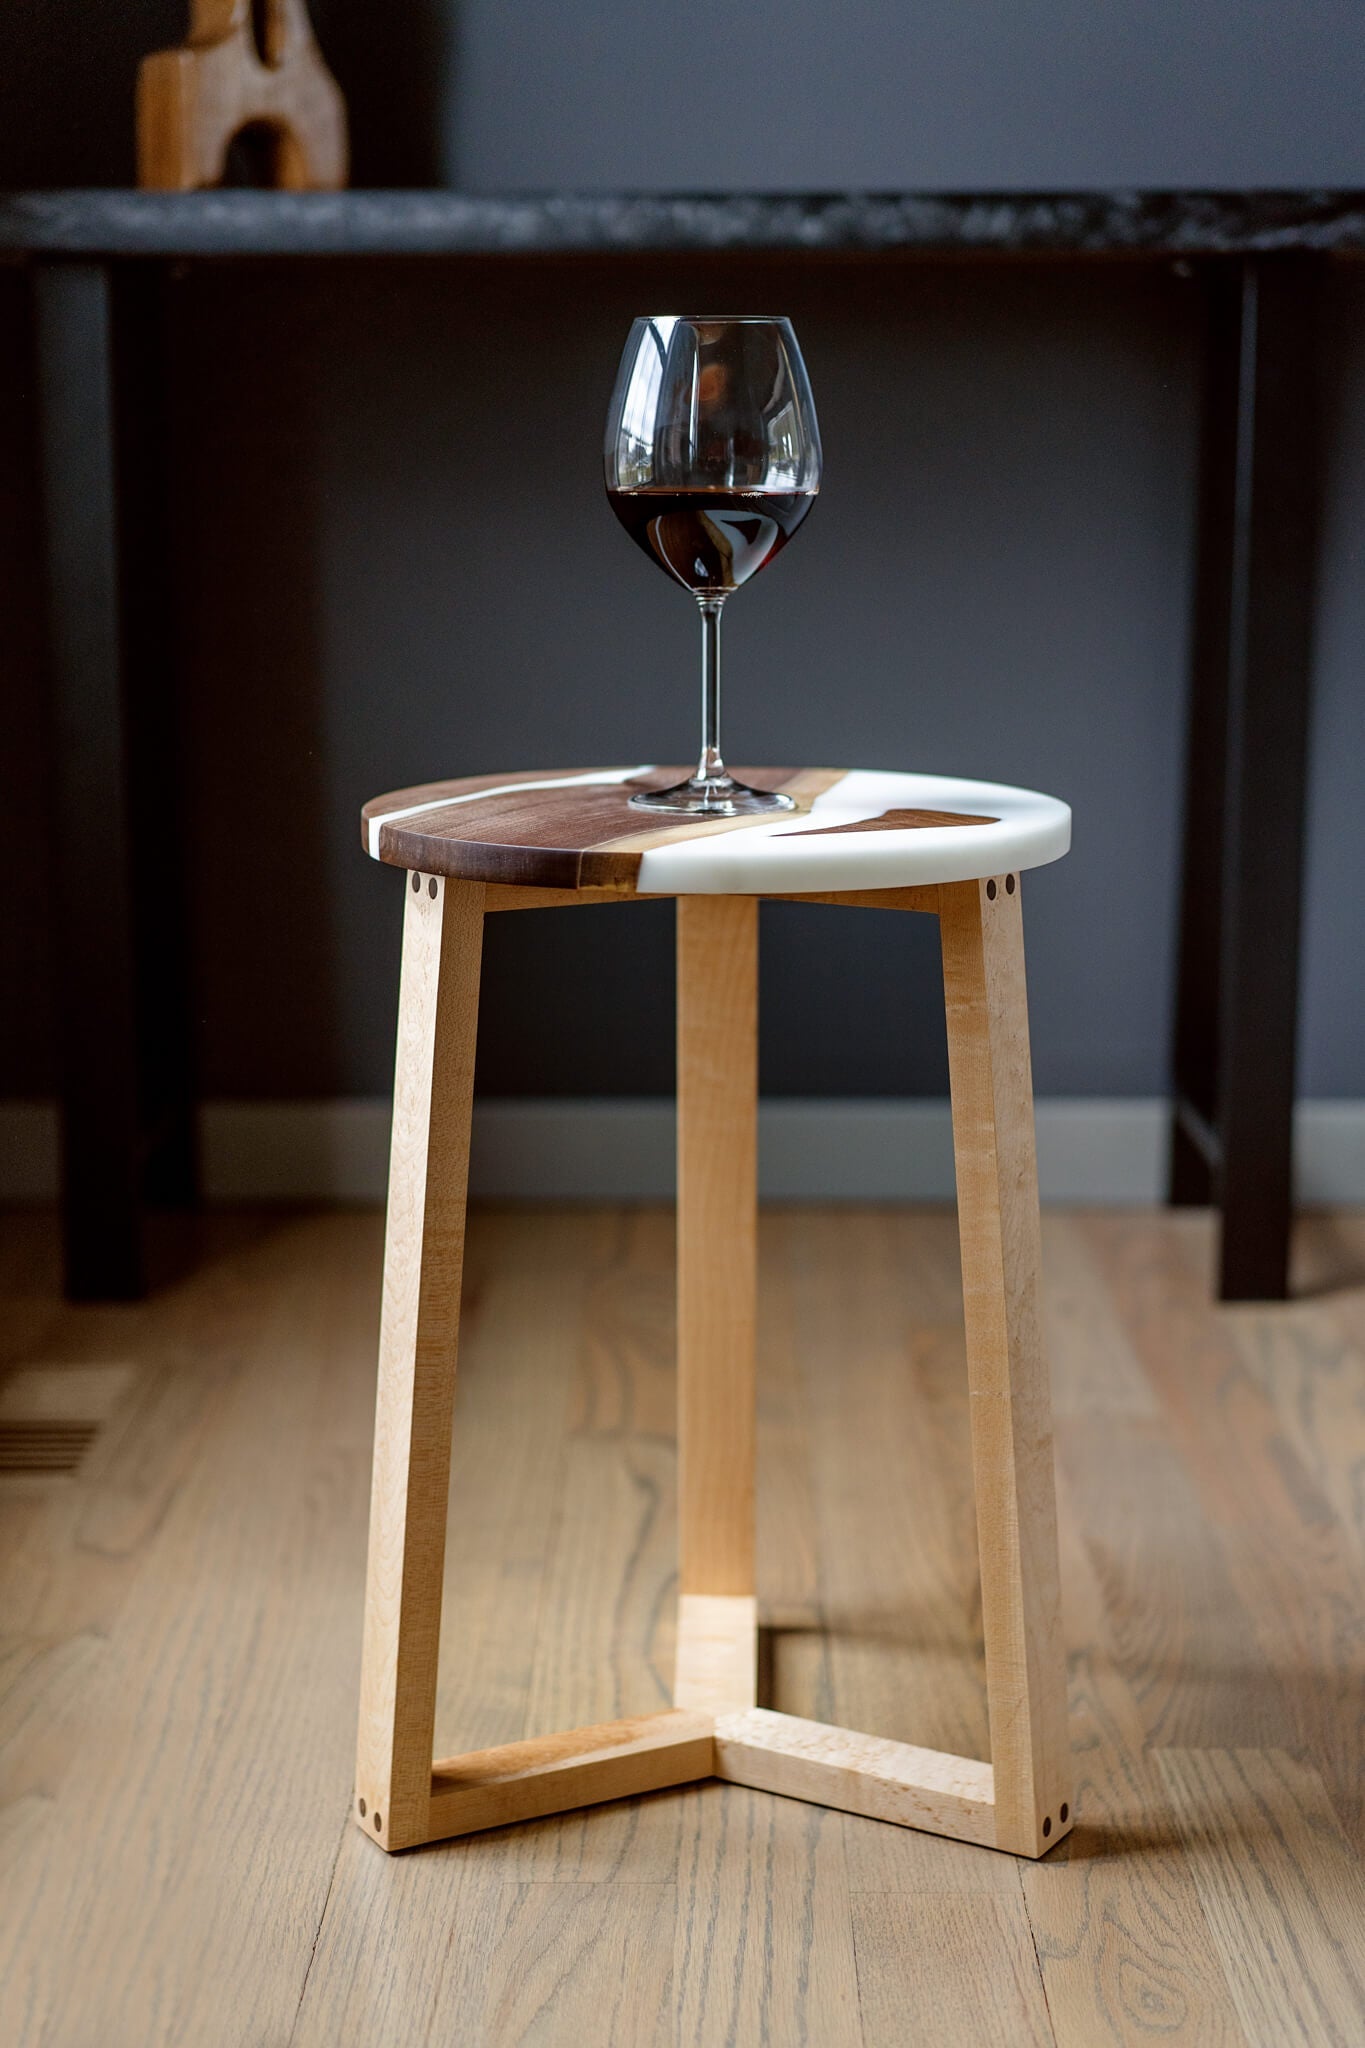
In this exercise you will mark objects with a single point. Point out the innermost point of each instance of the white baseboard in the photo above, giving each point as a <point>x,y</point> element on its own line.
<point>1089,1150</point>
<point>843,1150</point>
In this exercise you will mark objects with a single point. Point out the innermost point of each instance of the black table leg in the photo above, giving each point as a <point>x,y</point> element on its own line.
<point>127,1094</point>
<point>1237,993</point>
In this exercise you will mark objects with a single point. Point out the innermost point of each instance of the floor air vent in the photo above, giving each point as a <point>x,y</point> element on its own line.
<point>45,1446</point>
<point>50,1415</point>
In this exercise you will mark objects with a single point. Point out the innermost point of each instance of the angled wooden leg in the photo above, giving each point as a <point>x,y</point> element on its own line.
<point>717,1203</point>
<point>419,1329</point>
<point>1021,1801</point>
<point>1018,1802</point>
<point>997,1198</point>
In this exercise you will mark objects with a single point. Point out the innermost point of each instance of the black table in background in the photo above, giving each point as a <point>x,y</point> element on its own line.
<point>99,260</point>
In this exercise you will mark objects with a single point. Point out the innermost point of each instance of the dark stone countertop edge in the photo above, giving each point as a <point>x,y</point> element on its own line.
<point>116,222</point>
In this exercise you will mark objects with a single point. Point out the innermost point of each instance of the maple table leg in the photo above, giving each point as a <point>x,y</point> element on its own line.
<point>717,1256</point>
<point>997,1199</point>
<point>419,1334</point>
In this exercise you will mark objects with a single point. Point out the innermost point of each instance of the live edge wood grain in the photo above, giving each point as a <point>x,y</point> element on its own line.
<point>556,828</point>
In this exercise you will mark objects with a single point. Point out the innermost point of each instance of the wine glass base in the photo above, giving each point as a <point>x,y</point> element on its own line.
<point>717,796</point>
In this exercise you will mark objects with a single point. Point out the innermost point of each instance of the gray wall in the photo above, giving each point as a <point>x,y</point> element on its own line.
<point>976,94</point>
<point>396,563</point>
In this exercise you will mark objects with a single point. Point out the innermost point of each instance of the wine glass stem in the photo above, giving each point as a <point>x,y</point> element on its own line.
<point>710,767</point>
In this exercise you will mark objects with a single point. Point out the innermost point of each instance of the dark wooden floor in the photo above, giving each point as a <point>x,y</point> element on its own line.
<point>181,1632</point>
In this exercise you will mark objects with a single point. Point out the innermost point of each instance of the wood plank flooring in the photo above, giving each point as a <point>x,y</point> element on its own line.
<point>179,1648</point>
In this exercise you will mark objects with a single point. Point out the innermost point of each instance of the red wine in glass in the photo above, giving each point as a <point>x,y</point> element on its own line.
<point>711,540</point>
<point>712,462</point>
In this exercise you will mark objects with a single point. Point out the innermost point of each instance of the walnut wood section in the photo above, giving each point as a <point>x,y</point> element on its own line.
<point>525,1780</point>
<point>419,1332</point>
<point>717,1201</point>
<point>716,1668</point>
<point>893,1781</point>
<point>527,832</point>
<point>896,821</point>
<point>192,101</point>
<point>997,1199</point>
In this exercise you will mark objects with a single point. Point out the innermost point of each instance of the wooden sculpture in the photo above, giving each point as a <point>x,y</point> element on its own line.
<point>244,67</point>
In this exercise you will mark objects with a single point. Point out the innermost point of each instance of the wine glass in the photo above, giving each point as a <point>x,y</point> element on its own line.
<point>712,462</point>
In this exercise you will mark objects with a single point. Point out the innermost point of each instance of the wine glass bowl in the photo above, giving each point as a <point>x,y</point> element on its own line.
<point>712,461</point>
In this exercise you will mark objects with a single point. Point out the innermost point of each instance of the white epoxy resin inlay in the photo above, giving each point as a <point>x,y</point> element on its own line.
<point>784,855</point>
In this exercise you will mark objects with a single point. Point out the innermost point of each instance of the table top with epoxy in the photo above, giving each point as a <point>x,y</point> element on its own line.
<point>853,829</point>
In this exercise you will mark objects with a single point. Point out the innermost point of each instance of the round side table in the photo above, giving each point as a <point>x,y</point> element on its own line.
<point>943,847</point>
